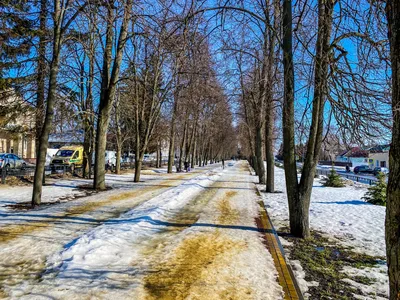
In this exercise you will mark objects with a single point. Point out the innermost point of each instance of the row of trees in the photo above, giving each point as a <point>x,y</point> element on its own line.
<point>150,74</point>
<point>320,65</point>
<point>142,76</point>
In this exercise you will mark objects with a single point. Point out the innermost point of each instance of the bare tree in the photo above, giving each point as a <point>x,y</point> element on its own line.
<point>61,24</point>
<point>109,78</point>
<point>393,188</point>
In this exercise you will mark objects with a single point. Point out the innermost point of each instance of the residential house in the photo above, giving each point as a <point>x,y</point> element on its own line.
<point>379,156</point>
<point>59,139</point>
<point>17,126</point>
<point>355,157</point>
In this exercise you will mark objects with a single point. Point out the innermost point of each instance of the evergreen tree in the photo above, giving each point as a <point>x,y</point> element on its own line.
<point>16,31</point>
<point>377,193</point>
<point>333,180</point>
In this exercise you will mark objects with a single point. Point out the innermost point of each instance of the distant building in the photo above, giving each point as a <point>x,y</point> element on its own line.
<point>379,156</point>
<point>57,140</point>
<point>355,157</point>
<point>17,126</point>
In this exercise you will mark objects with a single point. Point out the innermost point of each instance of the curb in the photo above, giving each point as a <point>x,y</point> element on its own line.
<point>286,276</point>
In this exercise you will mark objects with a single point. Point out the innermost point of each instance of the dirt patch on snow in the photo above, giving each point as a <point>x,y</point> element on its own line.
<point>23,206</point>
<point>194,264</point>
<point>228,215</point>
<point>10,232</point>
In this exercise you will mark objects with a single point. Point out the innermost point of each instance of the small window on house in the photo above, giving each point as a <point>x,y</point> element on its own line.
<point>377,163</point>
<point>383,164</point>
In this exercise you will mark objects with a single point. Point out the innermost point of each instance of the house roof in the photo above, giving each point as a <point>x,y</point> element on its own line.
<point>380,148</point>
<point>71,137</point>
<point>355,152</point>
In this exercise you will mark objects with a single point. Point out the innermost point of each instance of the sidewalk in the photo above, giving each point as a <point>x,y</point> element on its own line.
<point>197,240</point>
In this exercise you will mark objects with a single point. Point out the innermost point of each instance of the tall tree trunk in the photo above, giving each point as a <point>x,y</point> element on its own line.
<point>108,87</point>
<point>183,143</point>
<point>118,160</point>
<point>259,156</point>
<point>41,75</point>
<point>393,188</point>
<point>119,141</point>
<point>160,154</point>
<point>325,16</point>
<point>269,120</point>
<point>171,150</point>
<point>44,136</point>
<point>191,143</point>
<point>138,166</point>
<point>300,203</point>
<point>104,107</point>
<point>157,155</point>
<point>269,148</point>
<point>289,156</point>
<point>192,162</point>
<point>88,142</point>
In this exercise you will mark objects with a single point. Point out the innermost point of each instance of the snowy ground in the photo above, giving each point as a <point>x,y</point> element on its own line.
<point>341,214</point>
<point>180,236</point>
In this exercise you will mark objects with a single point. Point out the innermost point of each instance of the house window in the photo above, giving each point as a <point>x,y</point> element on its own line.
<point>377,163</point>
<point>383,164</point>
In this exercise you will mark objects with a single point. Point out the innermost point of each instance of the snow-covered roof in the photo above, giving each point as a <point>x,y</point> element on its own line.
<point>67,137</point>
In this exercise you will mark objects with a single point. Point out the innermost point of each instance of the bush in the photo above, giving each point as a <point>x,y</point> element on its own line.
<point>333,180</point>
<point>377,193</point>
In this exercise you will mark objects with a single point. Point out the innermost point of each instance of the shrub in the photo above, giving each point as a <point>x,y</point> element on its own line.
<point>333,180</point>
<point>377,193</point>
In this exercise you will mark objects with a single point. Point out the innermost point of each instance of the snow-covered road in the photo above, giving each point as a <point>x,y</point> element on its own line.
<point>180,236</point>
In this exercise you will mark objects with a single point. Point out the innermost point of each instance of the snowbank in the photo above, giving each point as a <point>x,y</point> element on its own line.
<point>341,214</point>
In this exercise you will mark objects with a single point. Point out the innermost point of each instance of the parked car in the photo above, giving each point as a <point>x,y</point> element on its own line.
<point>383,170</point>
<point>363,169</point>
<point>11,161</point>
<point>71,156</point>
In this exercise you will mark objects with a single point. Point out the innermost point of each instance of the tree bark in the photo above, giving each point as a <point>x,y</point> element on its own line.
<point>288,116</point>
<point>392,225</point>
<point>299,194</point>
<point>41,75</point>
<point>269,148</point>
<point>259,155</point>
<point>119,141</point>
<point>157,155</point>
<point>183,142</point>
<point>171,150</point>
<point>44,136</point>
<point>88,142</point>
<point>269,120</point>
<point>138,166</point>
<point>108,88</point>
